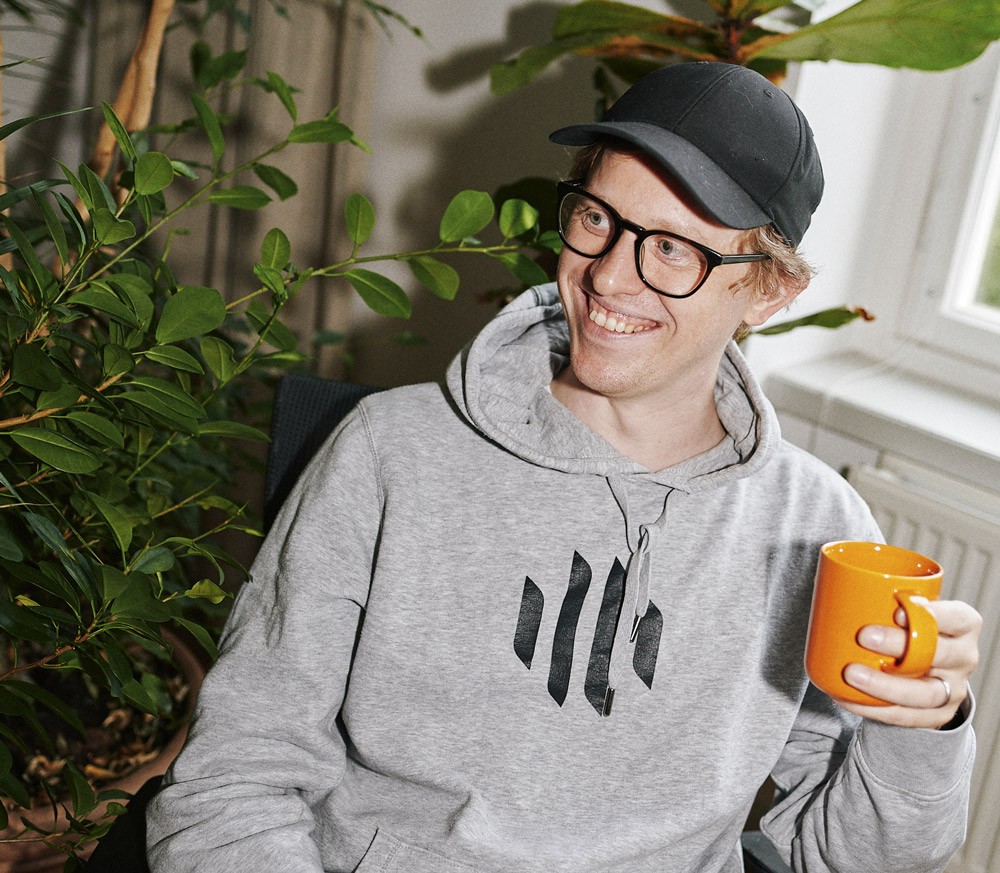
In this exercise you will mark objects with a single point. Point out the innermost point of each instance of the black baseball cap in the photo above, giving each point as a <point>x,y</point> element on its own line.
<point>735,142</point>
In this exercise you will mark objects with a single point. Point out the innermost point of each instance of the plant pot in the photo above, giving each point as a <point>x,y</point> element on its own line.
<point>36,857</point>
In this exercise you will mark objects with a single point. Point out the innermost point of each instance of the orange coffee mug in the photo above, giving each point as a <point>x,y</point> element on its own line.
<point>859,584</point>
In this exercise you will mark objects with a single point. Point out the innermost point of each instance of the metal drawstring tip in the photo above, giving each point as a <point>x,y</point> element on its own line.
<point>609,697</point>
<point>635,628</point>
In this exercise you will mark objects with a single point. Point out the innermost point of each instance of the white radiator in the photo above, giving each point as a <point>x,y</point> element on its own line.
<point>959,526</point>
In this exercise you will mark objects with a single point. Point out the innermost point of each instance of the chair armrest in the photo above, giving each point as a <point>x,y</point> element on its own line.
<point>760,856</point>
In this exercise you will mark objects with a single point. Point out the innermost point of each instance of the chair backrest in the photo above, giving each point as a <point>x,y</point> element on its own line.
<point>306,410</point>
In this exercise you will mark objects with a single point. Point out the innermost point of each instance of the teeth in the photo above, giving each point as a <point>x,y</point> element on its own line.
<point>613,324</point>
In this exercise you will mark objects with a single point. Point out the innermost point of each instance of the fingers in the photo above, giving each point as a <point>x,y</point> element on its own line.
<point>959,626</point>
<point>927,702</point>
<point>930,700</point>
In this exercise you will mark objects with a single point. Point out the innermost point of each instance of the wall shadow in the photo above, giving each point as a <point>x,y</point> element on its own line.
<point>499,141</point>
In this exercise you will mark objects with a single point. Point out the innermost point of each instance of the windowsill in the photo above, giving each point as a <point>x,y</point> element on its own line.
<point>892,410</point>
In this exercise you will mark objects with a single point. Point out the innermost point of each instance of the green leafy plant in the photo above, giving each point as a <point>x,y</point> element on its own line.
<point>123,391</point>
<point>631,40</point>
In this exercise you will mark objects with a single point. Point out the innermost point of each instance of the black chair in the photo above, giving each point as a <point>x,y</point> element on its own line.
<point>306,410</point>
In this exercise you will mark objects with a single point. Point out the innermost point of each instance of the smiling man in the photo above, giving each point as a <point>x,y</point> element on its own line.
<point>550,616</point>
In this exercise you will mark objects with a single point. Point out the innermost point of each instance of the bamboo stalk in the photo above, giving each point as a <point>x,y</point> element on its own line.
<point>6,260</point>
<point>134,102</point>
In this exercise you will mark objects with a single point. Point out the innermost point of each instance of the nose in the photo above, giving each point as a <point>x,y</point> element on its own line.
<point>615,271</point>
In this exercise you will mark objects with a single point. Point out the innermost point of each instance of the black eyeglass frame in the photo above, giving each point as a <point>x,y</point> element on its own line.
<point>713,258</point>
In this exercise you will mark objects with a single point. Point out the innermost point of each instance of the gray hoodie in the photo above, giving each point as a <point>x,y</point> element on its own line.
<point>480,639</point>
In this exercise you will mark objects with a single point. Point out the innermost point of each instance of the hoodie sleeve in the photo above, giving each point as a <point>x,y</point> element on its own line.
<point>858,795</point>
<point>264,736</point>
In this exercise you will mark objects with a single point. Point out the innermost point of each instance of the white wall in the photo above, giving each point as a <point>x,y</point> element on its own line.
<point>437,129</point>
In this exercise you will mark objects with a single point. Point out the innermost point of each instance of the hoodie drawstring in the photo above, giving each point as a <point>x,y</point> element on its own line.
<point>635,602</point>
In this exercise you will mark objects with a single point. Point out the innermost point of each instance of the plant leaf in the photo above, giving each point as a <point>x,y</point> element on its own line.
<point>118,129</point>
<point>116,360</point>
<point>193,310</point>
<point>328,130</point>
<point>153,173</point>
<point>240,197</point>
<point>379,293</point>
<point>277,85</point>
<point>120,526</point>
<point>517,217</point>
<point>831,319</point>
<point>439,278</point>
<point>34,368</point>
<point>56,232</point>
<point>282,185</point>
<point>81,794</point>
<point>44,279</point>
<point>110,230</point>
<point>10,548</point>
<point>467,214</point>
<point>234,429</point>
<point>180,400</point>
<point>56,450</point>
<point>271,279</point>
<point>206,589</point>
<point>158,559</point>
<point>74,218</point>
<point>920,34</point>
<point>523,267</point>
<point>596,15</point>
<point>13,126</point>
<point>175,358</point>
<point>21,623</point>
<point>137,292</point>
<point>210,123</point>
<point>275,249</point>
<point>201,635</point>
<point>270,329</point>
<point>102,299</point>
<point>218,354</point>
<point>360,215</point>
<point>97,427</point>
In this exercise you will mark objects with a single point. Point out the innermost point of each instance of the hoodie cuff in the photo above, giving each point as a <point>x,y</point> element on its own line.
<point>919,760</point>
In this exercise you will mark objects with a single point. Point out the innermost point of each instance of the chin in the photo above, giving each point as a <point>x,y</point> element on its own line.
<point>604,377</point>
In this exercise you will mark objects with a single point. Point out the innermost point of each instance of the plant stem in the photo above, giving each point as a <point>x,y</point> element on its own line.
<point>48,659</point>
<point>29,417</point>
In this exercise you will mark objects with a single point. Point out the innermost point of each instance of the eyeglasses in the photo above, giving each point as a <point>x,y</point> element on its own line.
<point>669,264</point>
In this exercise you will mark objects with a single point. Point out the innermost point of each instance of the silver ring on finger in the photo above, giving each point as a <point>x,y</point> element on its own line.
<point>947,692</point>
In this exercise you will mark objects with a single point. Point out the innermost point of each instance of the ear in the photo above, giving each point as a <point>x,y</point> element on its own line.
<point>760,310</point>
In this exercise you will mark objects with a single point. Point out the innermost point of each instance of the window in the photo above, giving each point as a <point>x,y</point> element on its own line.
<point>951,303</point>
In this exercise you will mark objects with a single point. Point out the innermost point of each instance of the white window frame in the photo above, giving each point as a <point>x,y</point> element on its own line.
<point>952,132</point>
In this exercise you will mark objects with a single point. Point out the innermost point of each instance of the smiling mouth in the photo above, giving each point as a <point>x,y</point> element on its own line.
<point>616,322</point>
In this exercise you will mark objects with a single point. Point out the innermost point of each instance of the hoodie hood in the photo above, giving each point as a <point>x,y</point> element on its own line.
<point>501,380</point>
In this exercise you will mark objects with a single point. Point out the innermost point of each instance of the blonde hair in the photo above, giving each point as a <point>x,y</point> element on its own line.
<point>770,280</point>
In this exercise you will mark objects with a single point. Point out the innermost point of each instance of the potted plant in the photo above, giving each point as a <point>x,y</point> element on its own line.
<point>122,390</point>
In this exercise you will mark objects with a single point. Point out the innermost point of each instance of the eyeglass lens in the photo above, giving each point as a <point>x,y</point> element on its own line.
<point>666,263</point>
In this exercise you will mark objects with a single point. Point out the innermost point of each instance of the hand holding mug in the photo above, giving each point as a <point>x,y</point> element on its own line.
<point>880,642</point>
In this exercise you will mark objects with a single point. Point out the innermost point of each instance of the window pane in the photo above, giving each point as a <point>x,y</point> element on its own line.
<point>988,292</point>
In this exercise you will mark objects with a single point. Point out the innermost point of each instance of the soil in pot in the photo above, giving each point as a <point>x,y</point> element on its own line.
<point>121,749</point>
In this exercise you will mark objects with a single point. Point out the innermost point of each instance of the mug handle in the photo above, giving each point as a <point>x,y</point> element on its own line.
<point>922,634</point>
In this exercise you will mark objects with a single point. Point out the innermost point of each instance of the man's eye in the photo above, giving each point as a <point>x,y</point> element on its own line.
<point>673,251</point>
<point>595,220</point>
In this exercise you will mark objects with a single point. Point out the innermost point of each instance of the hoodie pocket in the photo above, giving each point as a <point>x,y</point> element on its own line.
<point>387,854</point>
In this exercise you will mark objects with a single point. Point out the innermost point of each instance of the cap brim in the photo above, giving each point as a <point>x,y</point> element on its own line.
<point>708,184</point>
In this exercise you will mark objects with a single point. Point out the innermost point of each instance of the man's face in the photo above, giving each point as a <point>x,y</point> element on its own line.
<point>667,345</point>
